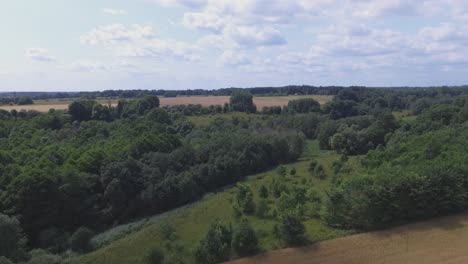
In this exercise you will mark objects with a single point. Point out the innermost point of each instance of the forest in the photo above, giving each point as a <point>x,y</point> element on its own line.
<point>66,176</point>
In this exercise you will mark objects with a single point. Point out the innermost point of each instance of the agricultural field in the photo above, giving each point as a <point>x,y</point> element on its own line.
<point>441,241</point>
<point>134,247</point>
<point>260,102</point>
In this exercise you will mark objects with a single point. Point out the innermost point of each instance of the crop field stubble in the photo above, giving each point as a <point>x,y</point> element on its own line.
<point>267,101</point>
<point>442,240</point>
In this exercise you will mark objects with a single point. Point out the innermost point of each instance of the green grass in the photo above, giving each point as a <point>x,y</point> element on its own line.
<point>192,222</point>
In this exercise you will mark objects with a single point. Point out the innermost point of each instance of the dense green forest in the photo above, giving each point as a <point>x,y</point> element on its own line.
<point>66,175</point>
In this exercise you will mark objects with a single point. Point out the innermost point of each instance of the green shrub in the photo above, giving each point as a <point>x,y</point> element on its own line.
<point>154,256</point>
<point>244,241</point>
<point>215,246</point>
<point>79,241</point>
<point>4,260</point>
<point>290,229</point>
<point>11,237</point>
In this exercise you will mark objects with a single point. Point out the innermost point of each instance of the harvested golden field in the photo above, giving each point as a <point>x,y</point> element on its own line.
<point>443,240</point>
<point>45,105</point>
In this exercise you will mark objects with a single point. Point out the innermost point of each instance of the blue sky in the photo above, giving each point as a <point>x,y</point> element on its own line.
<point>69,45</point>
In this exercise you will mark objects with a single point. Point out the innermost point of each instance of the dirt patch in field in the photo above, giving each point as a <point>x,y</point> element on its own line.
<point>44,106</point>
<point>443,240</point>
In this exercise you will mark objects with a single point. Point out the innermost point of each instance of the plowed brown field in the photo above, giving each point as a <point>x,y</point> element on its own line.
<point>443,240</point>
<point>44,106</point>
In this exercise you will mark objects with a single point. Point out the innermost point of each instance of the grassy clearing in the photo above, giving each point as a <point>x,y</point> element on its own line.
<point>192,222</point>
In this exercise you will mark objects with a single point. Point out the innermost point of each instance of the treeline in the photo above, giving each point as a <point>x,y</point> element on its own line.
<point>258,91</point>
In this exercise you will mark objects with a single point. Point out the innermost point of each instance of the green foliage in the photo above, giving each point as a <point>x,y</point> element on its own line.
<point>305,105</point>
<point>263,192</point>
<point>293,172</point>
<point>81,110</point>
<point>25,100</point>
<point>154,256</point>
<point>312,165</point>
<point>263,209</point>
<point>281,171</point>
<point>216,245</point>
<point>290,229</point>
<point>244,241</point>
<point>39,256</point>
<point>79,241</point>
<point>11,238</point>
<point>244,199</point>
<point>415,177</point>
<point>4,260</point>
<point>319,172</point>
<point>242,101</point>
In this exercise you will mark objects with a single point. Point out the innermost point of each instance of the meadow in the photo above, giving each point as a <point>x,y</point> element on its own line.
<point>192,222</point>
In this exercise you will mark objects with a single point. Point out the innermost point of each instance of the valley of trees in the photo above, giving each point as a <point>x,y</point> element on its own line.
<point>67,175</point>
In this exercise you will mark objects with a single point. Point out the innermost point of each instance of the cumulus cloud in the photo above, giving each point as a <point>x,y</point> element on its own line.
<point>114,12</point>
<point>233,58</point>
<point>138,41</point>
<point>40,55</point>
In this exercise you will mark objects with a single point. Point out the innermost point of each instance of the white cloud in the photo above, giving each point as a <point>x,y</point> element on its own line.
<point>114,12</point>
<point>39,54</point>
<point>138,41</point>
<point>117,33</point>
<point>234,58</point>
<point>206,21</point>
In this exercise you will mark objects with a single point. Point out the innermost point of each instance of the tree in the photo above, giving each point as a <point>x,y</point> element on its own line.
<point>290,228</point>
<point>25,100</point>
<point>154,256</point>
<point>242,101</point>
<point>304,105</point>
<point>281,171</point>
<point>4,260</point>
<point>312,165</point>
<point>216,245</point>
<point>244,241</point>
<point>12,240</point>
<point>293,172</point>
<point>263,191</point>
<point>244,199</point>
<point>79,241</point>
<point>262,208</point>
<point>81,110</point>
<point>319,172</point>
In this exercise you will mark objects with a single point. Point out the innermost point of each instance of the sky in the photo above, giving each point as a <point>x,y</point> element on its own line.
<point>88,45</point>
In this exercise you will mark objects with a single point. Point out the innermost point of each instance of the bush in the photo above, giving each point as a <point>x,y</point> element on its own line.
<point>25,100</point>
<point>319,172</point>
<point>215,246</point>
<point>53,240</point>
<point>11,237</point>
<point>293,172</point>
<point>79,241</point>
<point>244,241</point>
<point>263,192</point>
<point>39,256</point>
<point>4,260</point>
<point>154,256</point>
<point>242,101</point>
<point>244,199</point>
<point>290,229</point>
<point>263,208</point>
